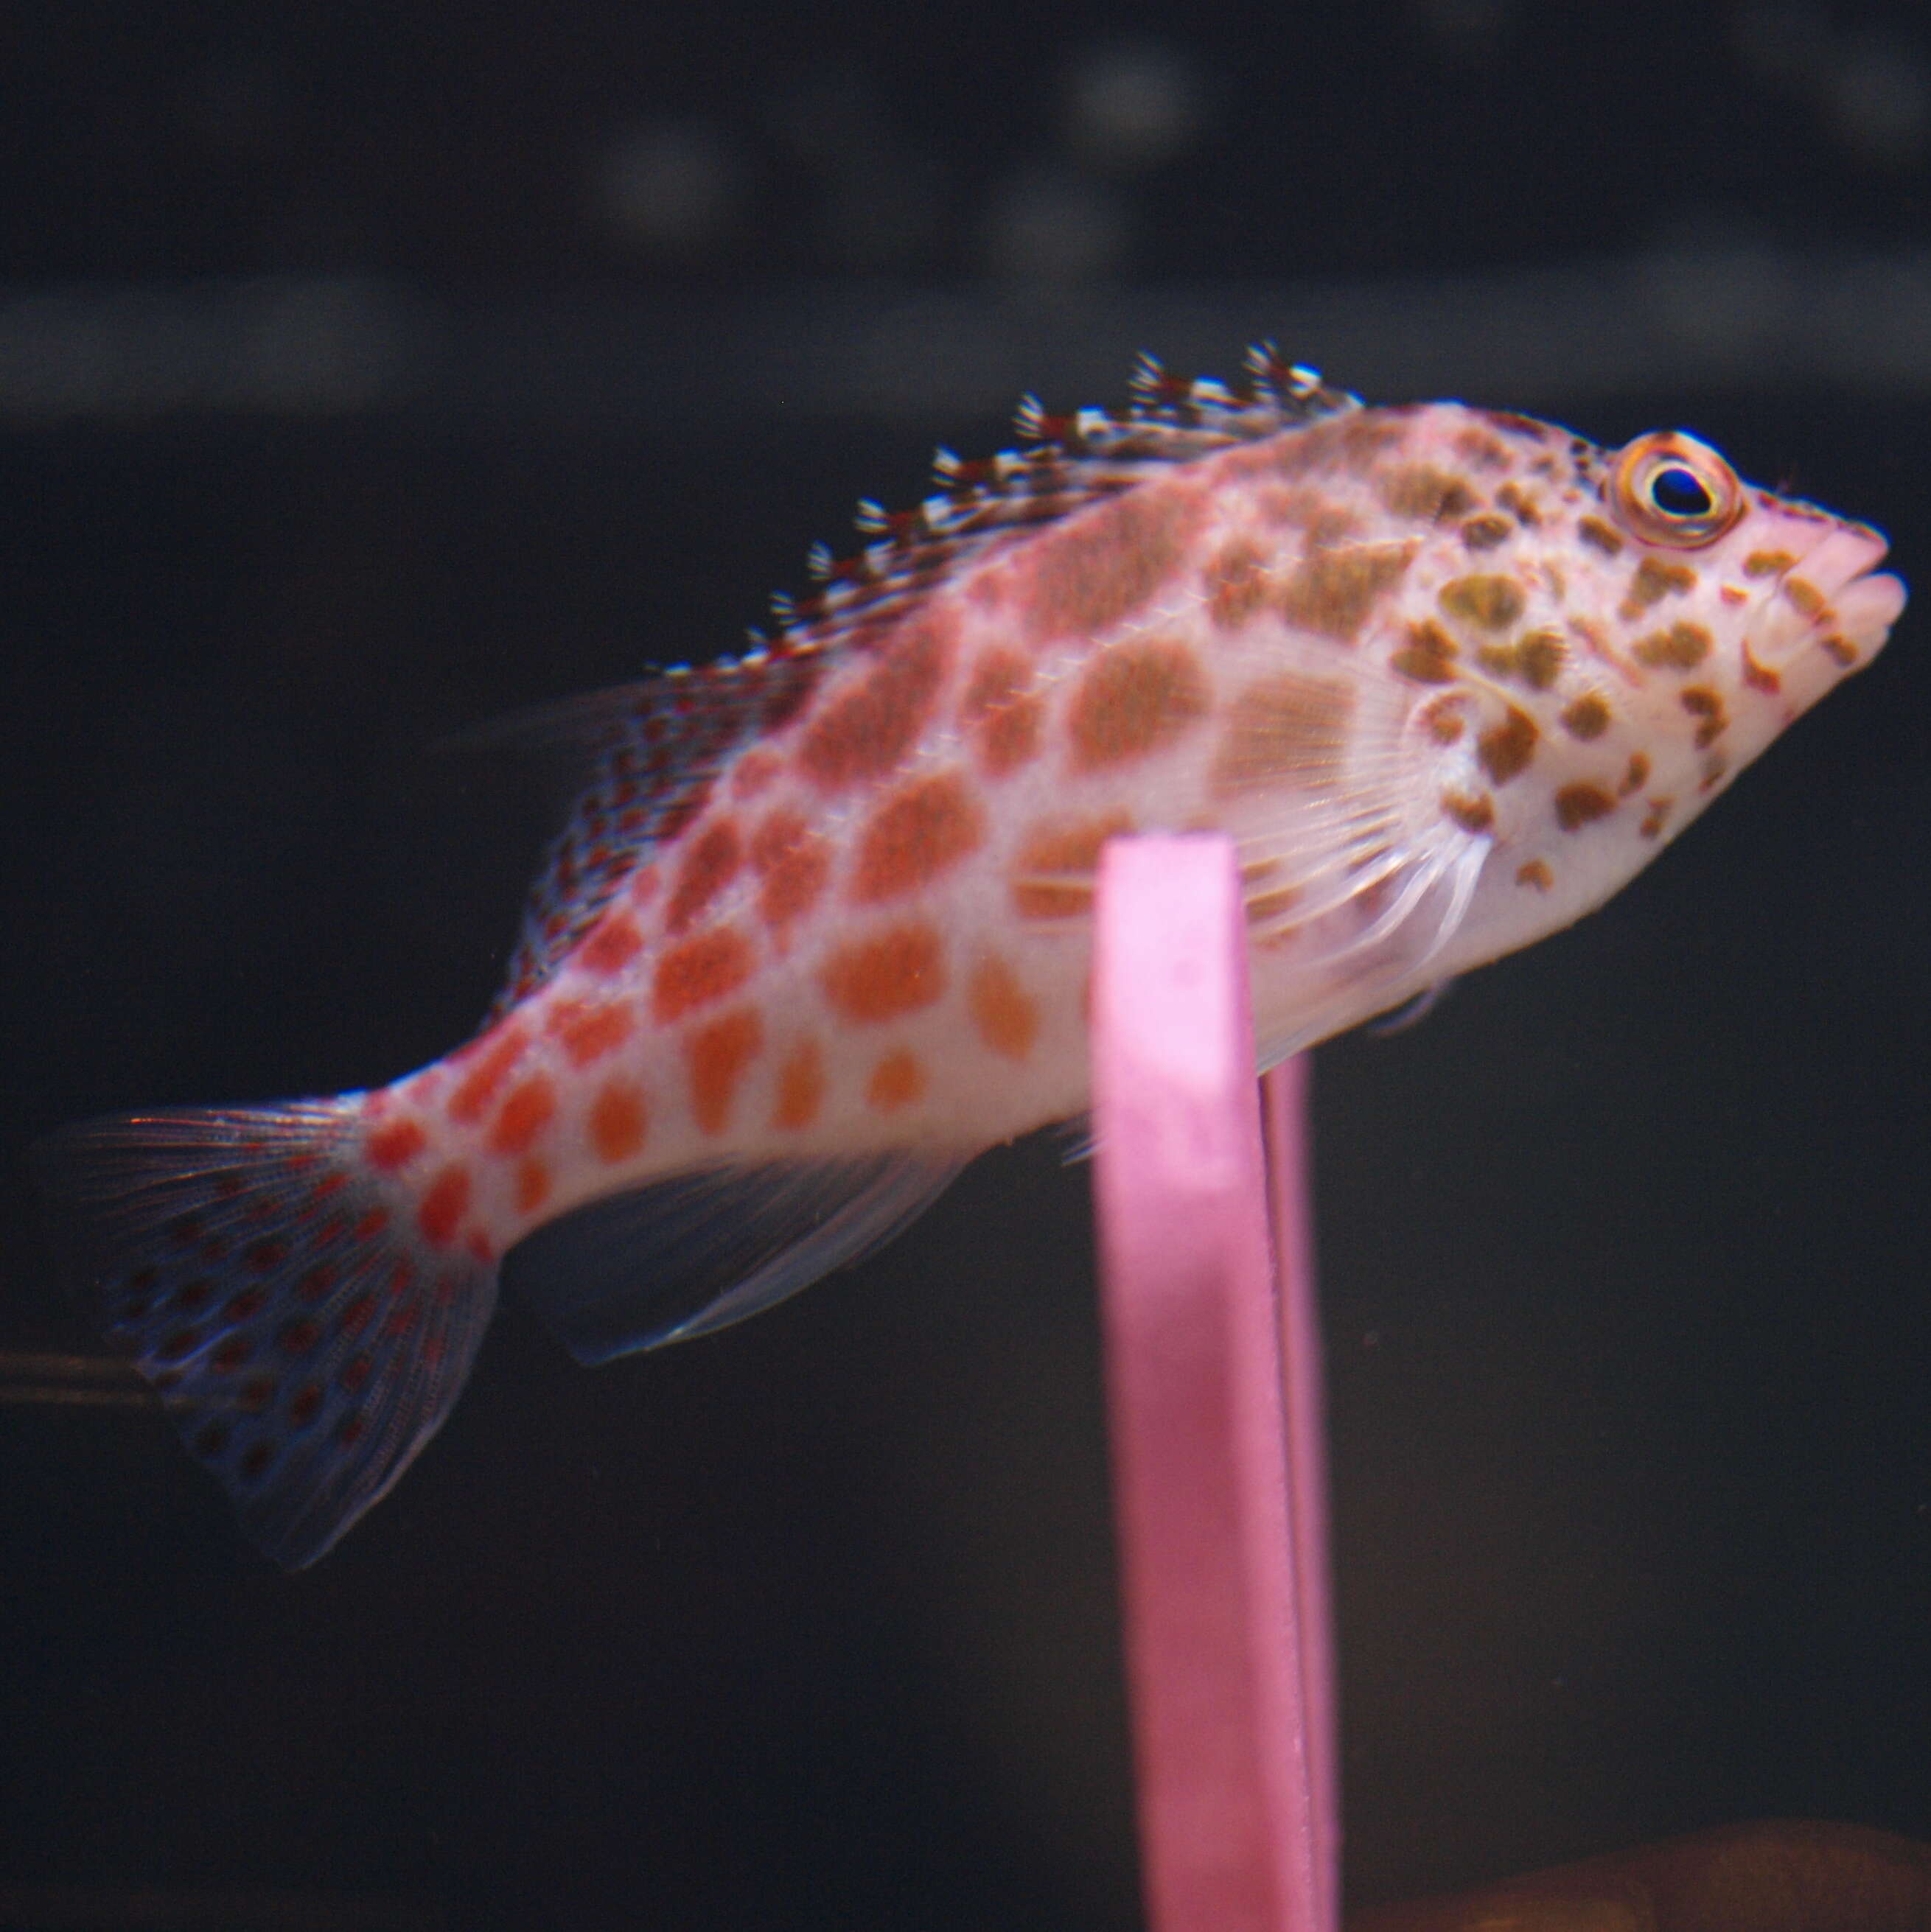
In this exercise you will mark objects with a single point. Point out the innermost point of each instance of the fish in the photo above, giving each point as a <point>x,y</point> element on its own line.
<point>819,930</point>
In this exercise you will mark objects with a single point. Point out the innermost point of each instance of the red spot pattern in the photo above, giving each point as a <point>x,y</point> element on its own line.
<point>1135,699</point>
<point>800,1087</point>
<point>755,771</point>
<point>916,834</point>
<point>444,1206</point>
<point>863,732</point>
<point>711,863</point>
<point>617,1121</point>
<point>1003,715</point>
<point>489,1061</point>
<point>793,863</point>
<point>527,1111</point>
<point>898,971</point>
<point>896,1081</point>
<point>1106,563</point>
<point>532,1185</point>
<point>719,1054</point>
<point>589,1030</point>
<point>612,943</point>
<point>700,971</point>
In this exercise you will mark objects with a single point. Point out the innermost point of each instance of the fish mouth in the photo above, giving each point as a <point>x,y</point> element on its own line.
<point>1835,598</point>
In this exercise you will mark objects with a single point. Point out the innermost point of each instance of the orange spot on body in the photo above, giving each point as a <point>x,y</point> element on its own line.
<point>1587,718</point>
<point>1332,591</point>
<point>1681,647</point>
<point>709,866</point>
<point>896,1081</point>
<point>1476,814</point>
<point>800,1087</point>
<point>1605,537</point>
<point>1654,579</point>
<point>717,1053</point>
<point>488,1062</point>
<point>863,732</point>
<point>1002,1010</point>
<point>792,863</point>
<point>1428,656</point>
<point>444,1205</point>
<point>1766,562</point>
<point>1052,874</point>
<point>1237,583</point>
<point>915,835</point>
<point>899,971</point>
<point>1431,496</point>
<point>1507,749</point>
<point>1133,700</point>
<point>533,1185</point>
<point>617,1121</point>
<point>611,944</point>
<point>396,1144</point>
<point>698,971</point>
<point>589,1030</point>
<point>1002,713</point>
<point>1536,873</point>
<point>755,771</point>
<point>1488,602</point>
<point>1105,563</point>
<point>527,1111</point>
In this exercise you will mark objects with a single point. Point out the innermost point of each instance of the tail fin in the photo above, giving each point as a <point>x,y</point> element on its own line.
<point>305,1338</point>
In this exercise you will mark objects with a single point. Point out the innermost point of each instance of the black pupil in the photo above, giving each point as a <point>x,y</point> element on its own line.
<point>1678,492</point>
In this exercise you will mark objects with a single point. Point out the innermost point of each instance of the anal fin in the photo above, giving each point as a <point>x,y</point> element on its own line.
<point>686,1256</point>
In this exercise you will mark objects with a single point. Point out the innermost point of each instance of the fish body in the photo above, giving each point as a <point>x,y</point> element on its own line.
<point>819,930</point>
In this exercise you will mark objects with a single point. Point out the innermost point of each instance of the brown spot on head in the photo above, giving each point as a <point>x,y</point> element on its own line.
<point>1514,498</point>
<point>899,970</point>
<point>1652,580</point>
<point>1706,707</point>
<point>921,832</point>
<point>864,731</point>
<point>1589,717</point>
<point>800,1087</point>
<point>1135,699</point>
<point>1486,531</point>
<point>1536,872</point>
<point>1760,677</point>
<point>1476,814</point>
<point>1635,776</point>
<point>1656,818</point>
<point>1104,564</point>
<point>1766,562</point>
<point>1479,447</point>
<point>1236,584</point>
<point>1505,749</point>
<point>1052,874</point>
<point>697,971</point>
<point>1442,718</point>
<point>1332,591</point>
<point>1354,443</point>
<point>1579,804</point>
<point>1490,603</point>
<point>709,865</point>
<point>896,1081</point>
<point>1535,658</point>
<point>1430,495</point>
<point>1002,712</point>
<point>1804,595</point>
<point>1840,650</point>
<point>617,1121</point>
<point>1681,647</point>
<point>1287,729</point>
<point>1003,1011</point>
<point>1605,537</point>
<point>717,1054</point>
<point>1428,656</point>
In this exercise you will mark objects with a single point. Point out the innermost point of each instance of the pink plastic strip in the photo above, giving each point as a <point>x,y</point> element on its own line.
<point>1231,1812</point>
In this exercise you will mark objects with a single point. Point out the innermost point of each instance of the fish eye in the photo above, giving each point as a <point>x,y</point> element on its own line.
<point>1668,488</point>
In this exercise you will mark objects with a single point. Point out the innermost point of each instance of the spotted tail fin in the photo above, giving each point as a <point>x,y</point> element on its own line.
<point>305,1338</point>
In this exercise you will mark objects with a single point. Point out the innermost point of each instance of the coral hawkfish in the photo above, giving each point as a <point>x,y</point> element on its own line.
<point>819,930</point>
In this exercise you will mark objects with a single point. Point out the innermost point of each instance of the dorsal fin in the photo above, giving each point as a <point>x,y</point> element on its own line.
<point>1069,462</point>
<point>653,748</point>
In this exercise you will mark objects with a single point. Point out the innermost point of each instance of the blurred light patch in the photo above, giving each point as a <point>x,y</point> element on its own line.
<point>1133,105</point>
<point>1053,226</point>
<point>1877,101</point>
<point>671,187</point>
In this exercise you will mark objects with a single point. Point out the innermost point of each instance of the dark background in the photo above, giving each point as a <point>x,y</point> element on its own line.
<point>811,1624</point>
